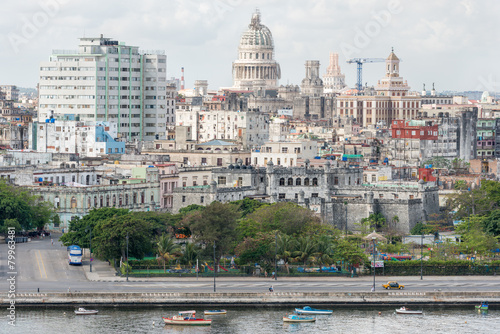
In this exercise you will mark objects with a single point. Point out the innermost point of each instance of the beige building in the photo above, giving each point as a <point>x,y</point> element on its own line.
<point>284,153</point>
<point>393,100</point>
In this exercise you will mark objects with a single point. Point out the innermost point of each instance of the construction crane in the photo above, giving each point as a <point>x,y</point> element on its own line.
<point>360,62</point>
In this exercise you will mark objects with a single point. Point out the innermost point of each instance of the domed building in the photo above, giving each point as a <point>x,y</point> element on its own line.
<point>256,69</point>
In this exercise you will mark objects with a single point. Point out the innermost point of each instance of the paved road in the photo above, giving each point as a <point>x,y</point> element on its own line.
<point>43,266</point>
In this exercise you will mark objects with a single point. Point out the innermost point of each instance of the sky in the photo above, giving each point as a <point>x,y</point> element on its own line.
<point>452,43</point>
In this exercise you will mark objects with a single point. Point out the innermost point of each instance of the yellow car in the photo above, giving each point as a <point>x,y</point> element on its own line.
<point>393,285</point>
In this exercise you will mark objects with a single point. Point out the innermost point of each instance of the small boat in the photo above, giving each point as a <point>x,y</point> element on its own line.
<point>310,310</point>
<point>187,318</point>
<point>214,312</point>
<point>298,318</point>
<point>83,311</point>
<point>405,310</point>
<point>483,306</point>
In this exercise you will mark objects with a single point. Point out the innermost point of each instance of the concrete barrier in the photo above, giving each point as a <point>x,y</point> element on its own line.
<point>255,299</point>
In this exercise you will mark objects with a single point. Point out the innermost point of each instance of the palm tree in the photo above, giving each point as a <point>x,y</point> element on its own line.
<point>190,253</point>
<point>286,245</point>
<point>324,250</point>
<point>305,248</point>
<point>167,248</point>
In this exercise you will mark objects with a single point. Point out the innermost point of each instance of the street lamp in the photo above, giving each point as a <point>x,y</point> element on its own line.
<point>127,257</point>
<point>421,256</point>
<point>276,257</point>
<point>345,203</point>
<point>215,268</point>
<point>90,247</point>
<point>373,239</point>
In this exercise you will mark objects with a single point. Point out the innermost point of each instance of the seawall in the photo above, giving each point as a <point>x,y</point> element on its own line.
<point>390,298</point>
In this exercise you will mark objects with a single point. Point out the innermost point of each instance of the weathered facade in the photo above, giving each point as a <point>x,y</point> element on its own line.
<point>329,191</point>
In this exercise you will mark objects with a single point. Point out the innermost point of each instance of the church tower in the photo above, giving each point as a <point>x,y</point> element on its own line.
<point>392,84</point>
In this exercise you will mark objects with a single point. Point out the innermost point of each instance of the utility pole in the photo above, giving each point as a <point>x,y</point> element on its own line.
<point>90,248</point>
<point>276,257</point>
<point>373,239</point>
<point>215,268</point>
<point>421,256</point>
<point>127,257</point>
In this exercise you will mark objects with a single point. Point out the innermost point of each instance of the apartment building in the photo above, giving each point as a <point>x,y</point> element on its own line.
<point>107,80</point>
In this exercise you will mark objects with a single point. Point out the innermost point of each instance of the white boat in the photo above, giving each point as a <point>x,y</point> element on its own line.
<point>310,310</point>
<point>297,318</point>
<point>83,311</point>
<point>214,312</point>
<point>404,310</point>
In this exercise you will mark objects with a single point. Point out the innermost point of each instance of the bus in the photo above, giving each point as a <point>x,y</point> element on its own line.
<point>75,255</point>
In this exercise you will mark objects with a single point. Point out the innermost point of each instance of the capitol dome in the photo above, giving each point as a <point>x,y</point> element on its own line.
<point>257,35</point>
<point>255,68</point>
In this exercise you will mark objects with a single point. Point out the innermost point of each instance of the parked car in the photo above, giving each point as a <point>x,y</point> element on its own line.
<point>393,285</point>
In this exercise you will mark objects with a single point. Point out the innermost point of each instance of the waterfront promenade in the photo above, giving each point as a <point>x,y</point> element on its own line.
<point>44,277</point>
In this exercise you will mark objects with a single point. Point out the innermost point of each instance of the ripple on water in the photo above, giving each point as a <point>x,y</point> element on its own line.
<point>254,320</point>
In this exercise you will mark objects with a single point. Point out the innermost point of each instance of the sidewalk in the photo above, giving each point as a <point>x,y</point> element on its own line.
<point>103,272</point>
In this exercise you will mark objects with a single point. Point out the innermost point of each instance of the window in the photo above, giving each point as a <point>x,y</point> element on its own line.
<point>290,182</point>
<point>298,181</point>
<point>281,196</point>
<point>221,180</point>
<point>314,195</point>
<point>219,161</point>
<point>315,182</point>
<point>202,199</point>
<point>306,181</point>
<point>183,199</point>
<point>282,182</point>
<point>336,180</point>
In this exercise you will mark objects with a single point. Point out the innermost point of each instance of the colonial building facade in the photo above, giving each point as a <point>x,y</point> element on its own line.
<point>334,193</point>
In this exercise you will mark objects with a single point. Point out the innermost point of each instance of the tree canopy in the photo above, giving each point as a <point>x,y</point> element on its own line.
<point>17,203</point>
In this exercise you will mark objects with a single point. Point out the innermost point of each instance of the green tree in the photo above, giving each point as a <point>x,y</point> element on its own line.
<point>191,208</point>
<point>324,250</point>
<point>190,253</point>
<point>167,249</point>
<point>110,241</point>
<point>248,205</point>
<point>421,228</point>
<point>10,223</point>
<point>491,223</point>
<point>286,217</point>
<point>17,203</point>
<point>259,249</point>
<point>474,239</point>
<point>349,252</point>
<point>376,221</point>
<point>79,233</point>
<point>286,245</point>
<point>305,248</point>
<point>216,223</point>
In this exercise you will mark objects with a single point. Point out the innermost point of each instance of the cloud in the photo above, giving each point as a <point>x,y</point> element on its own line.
<point>453,43</point>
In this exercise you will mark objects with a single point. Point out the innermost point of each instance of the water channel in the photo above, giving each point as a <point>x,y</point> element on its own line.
<point>255,320</point>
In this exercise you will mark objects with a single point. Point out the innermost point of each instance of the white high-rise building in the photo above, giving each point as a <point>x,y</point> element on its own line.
<point>106,80</point>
